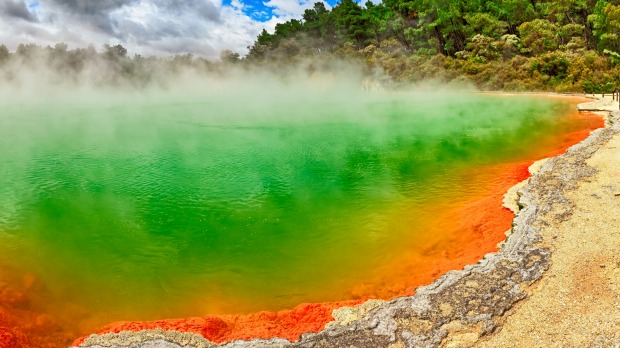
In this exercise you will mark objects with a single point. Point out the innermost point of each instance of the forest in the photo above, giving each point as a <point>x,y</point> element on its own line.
<point>511,45</point>
<point>517,45</point>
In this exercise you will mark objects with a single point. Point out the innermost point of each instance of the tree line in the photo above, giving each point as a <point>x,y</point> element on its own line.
<point>110,65</point>
<point>565,45</point>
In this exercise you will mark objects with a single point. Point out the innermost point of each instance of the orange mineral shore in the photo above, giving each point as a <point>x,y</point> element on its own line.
<point>479,224</point>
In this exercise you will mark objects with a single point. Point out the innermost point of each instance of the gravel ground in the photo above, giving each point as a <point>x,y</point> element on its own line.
<point>577,302</point>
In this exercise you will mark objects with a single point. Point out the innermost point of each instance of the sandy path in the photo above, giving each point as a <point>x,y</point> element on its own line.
<point>577,302</point>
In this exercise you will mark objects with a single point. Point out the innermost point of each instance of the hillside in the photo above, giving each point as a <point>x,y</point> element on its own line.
<point>567,45</point>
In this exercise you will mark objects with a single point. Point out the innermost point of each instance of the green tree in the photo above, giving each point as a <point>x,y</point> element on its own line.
<point>605,20</point>
<point>350,22</point>
<point>572,17</point>
<point>115,52</point>
<point>312,24</point>
<point>4,54</point>
<point>287,29</point>
<point>539,36</point>
<point>261,46</point>
<point>485,24</point>
<point>264,38</point>
<point>229,56</point>
<point>513,12</point>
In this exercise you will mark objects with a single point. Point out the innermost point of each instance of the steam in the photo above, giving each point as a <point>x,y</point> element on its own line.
<point>34,73</point>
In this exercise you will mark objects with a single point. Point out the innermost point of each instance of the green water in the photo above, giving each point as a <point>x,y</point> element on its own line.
<point>145,208</point>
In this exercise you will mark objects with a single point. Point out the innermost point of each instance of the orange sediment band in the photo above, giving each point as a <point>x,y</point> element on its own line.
<point>289,324</point>
<point>476,227</point>
<point>11,337</point>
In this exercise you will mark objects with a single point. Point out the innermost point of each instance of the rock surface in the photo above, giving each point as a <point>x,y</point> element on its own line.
<point>461,307</point>
<point>577,303</point>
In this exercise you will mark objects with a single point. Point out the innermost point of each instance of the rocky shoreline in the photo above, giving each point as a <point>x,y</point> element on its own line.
<point>459,308</point>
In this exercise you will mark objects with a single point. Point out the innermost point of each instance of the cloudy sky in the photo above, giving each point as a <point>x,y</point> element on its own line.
<point>147,27</point>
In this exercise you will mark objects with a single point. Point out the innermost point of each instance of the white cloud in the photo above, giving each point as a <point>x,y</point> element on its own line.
<point>289,8</point>
<point>147,27</point>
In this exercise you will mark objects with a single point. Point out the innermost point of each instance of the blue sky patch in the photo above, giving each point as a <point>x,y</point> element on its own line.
<point>257,10</point>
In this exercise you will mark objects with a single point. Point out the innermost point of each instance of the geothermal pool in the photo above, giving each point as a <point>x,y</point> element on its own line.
<point>147,208</point>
